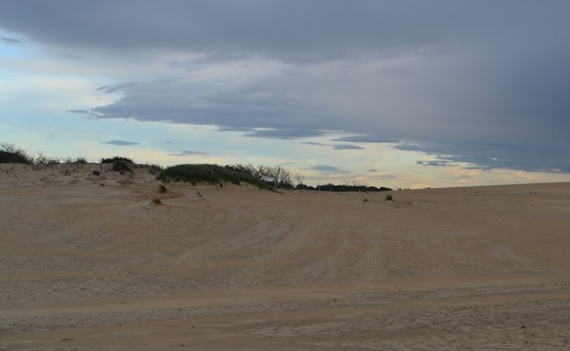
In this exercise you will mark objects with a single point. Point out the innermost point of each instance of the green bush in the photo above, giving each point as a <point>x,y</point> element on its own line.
<point>116,159</point>
<point>121,167</point>
<point>211,174</point>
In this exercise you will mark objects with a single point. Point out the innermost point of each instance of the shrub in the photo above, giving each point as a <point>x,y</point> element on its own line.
<point>388,198</point>
<point>42,159</point>
<point>81,160</point>
<point>212,174</point>
<point>9,153</point>
<point>116,159</point>
<point>121,167</point>
<point>154,169</point>
<point>344,187</point>
<point>156,201</point>
<point>162,189</point>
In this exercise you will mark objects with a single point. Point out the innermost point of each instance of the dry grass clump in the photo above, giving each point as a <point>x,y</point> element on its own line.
<point>156,200</point>
<point>389,198</point>
<point>162,189</point>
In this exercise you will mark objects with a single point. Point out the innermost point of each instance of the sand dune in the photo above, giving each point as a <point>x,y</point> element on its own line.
<point>89,262</point>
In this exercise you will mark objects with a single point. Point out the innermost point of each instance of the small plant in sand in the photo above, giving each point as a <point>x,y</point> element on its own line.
<point>389,198</point>
<point>156,200</point>
<point>162,189</point>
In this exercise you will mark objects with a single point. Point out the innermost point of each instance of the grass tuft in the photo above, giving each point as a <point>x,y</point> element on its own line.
<point>162,189</point>
<point>154,169</point>
<point>389,198</point>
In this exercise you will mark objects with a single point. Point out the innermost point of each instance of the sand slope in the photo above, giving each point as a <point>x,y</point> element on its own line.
<point>89,262</point>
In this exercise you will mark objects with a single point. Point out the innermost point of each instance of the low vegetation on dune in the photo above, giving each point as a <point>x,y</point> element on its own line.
<point>211,174</point>
<point>263,177</point>
<point>344,187</point>
<point>116,159</point>
<point>9,153</point>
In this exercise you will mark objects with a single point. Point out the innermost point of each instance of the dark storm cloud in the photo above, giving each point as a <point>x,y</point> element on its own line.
<point>120,142</point>
<point>295,30</point>
<point>482,82</point>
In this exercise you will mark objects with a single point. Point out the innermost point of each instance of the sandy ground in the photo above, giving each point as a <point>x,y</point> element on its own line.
<point>90,263</point>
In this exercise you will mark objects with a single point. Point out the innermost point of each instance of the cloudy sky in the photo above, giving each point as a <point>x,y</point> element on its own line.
<point>395,93</point>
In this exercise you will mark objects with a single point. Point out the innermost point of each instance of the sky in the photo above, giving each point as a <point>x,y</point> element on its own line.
<point>404,94</point>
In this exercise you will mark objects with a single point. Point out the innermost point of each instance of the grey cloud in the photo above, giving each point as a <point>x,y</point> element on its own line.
<point>473,80</point>
<point>519,157</point>
<point>64,56</point>
<point>367,139</point>
<point>120,142</point>
<point>313,143</point>
<point>284,133</point>
<point>437,163</point>
<point>328,169</point>
<point>10,41</point>
<point>322,30</point>
<point>245,109</point>
<point>189,153</point>
<point>347,147</point>
<point>89,113</point>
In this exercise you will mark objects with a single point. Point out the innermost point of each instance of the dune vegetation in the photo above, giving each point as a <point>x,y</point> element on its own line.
<point>208,173</point>
<point>262,177</point>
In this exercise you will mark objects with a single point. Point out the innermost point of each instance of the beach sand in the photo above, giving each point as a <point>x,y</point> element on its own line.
<point>89,262</point>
